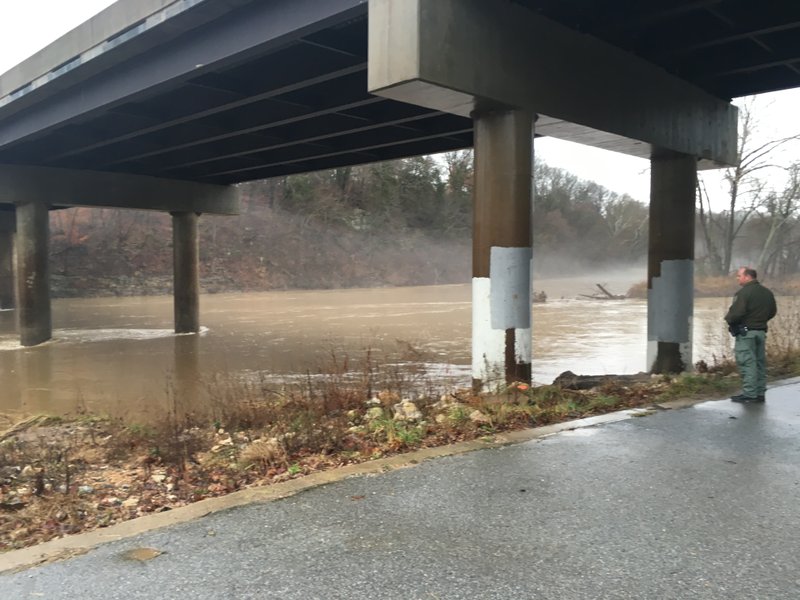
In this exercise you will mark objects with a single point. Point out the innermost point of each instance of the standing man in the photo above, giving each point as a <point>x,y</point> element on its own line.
<point>753,305</point>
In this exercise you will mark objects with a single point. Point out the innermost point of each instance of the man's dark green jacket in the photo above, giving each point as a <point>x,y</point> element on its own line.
<point>753,305</point>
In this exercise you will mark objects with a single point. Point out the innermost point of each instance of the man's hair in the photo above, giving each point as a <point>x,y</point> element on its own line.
<point>750,272</point>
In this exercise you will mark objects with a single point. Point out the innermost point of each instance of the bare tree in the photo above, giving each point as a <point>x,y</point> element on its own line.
<point>781,212</point>
<point>746,191</point>
<point>707,224</point>
<point>626,221</point>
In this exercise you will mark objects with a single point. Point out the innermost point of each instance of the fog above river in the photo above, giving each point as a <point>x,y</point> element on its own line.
<point>565,280</point>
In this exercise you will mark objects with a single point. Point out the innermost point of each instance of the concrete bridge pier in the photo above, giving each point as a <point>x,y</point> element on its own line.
<point>501,248</point>
<point>26,187</point>
<point>7,226</point>
<point>33,273</point>
<point>670,267</point>
<point>186,260</point>
<point>468,56</point>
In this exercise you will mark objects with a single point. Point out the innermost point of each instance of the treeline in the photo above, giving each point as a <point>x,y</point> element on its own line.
<point>573,219</point>
<point>405,222</point>
<point>761,227</point>
<point>428,194</point>
<point>409,222</point>
<point>585,224</point>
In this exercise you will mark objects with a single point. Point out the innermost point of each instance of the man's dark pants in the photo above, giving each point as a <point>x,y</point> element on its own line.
<point>752,362</point>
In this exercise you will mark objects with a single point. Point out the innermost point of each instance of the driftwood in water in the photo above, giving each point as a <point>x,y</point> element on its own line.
<point>606,295</point>
<point>569,381</point>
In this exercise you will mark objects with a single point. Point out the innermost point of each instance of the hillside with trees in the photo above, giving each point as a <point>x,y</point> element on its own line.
<point>409,222</point>
<point>405,222</point>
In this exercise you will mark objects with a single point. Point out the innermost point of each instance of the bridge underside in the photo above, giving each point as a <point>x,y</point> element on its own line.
<point>164,104</point>
<point>259,93</point>
<point>224,92</point>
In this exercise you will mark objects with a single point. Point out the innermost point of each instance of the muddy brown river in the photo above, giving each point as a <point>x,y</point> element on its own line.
<point>119,356</point>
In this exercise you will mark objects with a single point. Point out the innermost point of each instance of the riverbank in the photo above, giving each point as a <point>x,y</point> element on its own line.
<point>724,287</point>
<point>129,253</point>
<point>60,477</point>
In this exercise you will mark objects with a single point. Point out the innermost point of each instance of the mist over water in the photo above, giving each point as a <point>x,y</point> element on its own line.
<point>119,356</point>
<point>563,279</point>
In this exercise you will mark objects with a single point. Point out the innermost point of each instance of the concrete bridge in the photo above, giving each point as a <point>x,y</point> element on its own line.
<point>166,104</point>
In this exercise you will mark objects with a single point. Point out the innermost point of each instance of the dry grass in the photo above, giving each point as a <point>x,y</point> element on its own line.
<point>724,287</point>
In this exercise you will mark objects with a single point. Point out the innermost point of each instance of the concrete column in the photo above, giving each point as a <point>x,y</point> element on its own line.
<point>501,248</point>
<point>670,268</point>
<point>185,261</point>
<point>7,261</point>
<point>33,273</point>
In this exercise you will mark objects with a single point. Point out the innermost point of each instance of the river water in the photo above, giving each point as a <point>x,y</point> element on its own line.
<point>119,356</point>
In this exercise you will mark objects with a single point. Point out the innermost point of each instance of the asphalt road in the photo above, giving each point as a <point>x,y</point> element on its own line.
<point>701,502</point>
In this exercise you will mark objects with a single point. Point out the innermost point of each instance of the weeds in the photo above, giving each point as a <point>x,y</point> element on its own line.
<point>693,385</point>
<point>396,434</point>
<point>58,477</point>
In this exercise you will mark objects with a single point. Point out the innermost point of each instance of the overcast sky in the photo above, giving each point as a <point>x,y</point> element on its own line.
<point>28,25</point>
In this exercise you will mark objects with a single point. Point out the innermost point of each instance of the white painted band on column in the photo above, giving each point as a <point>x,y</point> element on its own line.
<point>510,275</point>
<point>670,304</point>
<point>501,302</point>
<point>488,344</point>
